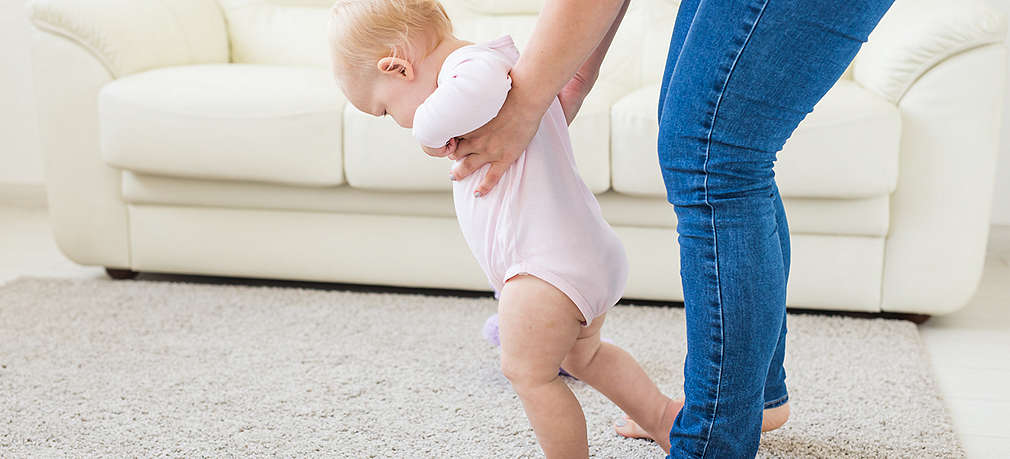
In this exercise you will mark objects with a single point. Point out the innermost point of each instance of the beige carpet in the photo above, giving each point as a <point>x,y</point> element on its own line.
<point>143,368</point>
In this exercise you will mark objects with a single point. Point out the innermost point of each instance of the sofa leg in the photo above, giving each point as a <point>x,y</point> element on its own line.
<point>120,274</point>
<point>917,319</point>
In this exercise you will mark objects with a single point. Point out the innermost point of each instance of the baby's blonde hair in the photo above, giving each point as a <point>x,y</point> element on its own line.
<point>364,31</point>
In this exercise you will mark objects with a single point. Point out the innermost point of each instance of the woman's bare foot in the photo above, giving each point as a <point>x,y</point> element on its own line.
<point>773,419</point>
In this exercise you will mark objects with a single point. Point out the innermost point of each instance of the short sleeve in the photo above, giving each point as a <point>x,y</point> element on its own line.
<point>468,96</point>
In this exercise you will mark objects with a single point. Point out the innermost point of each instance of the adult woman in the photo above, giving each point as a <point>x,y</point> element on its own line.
<point>740,76</point>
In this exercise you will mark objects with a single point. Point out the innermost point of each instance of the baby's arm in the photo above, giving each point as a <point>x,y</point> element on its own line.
<point>466,100</point>
<point>576,90</point>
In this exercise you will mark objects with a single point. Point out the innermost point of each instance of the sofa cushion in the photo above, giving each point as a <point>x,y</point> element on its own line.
<point>277,31</point>
<point>380,155</point>
<point>846,148</point>
<point>636,55</point>
<point>293,32</point>
<point>229,121</point>
<point>500,7</point>
<point>849,217</point>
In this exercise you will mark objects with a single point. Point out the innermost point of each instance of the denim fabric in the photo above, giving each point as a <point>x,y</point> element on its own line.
<point>739,77</point>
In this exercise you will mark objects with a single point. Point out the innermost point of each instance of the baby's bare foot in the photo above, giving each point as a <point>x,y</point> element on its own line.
<point>773,419</point>
<point>628,428</point>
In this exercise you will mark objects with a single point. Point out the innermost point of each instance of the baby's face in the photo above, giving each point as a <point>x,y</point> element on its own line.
<point>396,92</point>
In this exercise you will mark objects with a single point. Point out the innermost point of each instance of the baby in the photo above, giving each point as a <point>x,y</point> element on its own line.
<point>538,235</point>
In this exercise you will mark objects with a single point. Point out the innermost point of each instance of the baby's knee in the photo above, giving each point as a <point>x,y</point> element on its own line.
<point>525,372</point>
<point>581,355</point>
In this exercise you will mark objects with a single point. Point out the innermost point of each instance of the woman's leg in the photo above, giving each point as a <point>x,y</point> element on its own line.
<point>747,73</point>
<point>685,15</point>
<point>538,326</point>
<point>776,407</point>
<point>775,388</point>
<point>775,394</point>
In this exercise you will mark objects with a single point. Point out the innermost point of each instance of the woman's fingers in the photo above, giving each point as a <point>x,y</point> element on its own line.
<point>470,163</point>
<point>475,161</point>
<point>492,177</point>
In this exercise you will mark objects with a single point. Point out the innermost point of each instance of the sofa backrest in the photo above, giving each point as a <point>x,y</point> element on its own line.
<point>293,32</point>
<point>284,32</point>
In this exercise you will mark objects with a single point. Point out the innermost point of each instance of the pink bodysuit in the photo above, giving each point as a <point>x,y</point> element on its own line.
<point>541,219</point>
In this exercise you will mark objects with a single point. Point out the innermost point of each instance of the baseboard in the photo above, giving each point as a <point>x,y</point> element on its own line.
<point>27,195</point>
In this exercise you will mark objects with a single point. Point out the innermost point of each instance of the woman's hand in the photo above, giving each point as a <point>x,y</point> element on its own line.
<point>446,150</point>
<point>571,36</point>
<point>574,93</point>
<point>500,142</point>
<point>474,147</point>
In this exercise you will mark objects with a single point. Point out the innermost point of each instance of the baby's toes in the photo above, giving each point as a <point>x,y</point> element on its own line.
<point>628,428</point>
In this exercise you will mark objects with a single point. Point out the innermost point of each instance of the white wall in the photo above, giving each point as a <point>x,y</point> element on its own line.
<point>20,160</point>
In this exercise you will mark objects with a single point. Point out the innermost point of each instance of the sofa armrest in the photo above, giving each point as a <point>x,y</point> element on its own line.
<point>940,210</point>
<point>130,36</point>
<point>79,46</point>
<point>916,35</point>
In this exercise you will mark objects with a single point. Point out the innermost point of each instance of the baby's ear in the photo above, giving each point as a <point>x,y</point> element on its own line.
<point>395,66</point>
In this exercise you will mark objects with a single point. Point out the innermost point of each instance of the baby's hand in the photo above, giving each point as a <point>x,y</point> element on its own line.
<point>446,150</point>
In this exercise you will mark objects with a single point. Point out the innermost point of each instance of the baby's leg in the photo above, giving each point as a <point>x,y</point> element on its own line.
<point>616,374</point>
<point>538,324</point>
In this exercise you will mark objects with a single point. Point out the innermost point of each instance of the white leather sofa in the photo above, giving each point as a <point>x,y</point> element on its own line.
<point>207,137</point>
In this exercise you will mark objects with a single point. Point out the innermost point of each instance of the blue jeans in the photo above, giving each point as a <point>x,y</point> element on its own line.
<point>739,77</point>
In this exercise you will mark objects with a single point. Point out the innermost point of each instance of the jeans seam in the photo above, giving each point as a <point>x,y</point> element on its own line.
<point>777,402</point>
<point>715,238</point>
